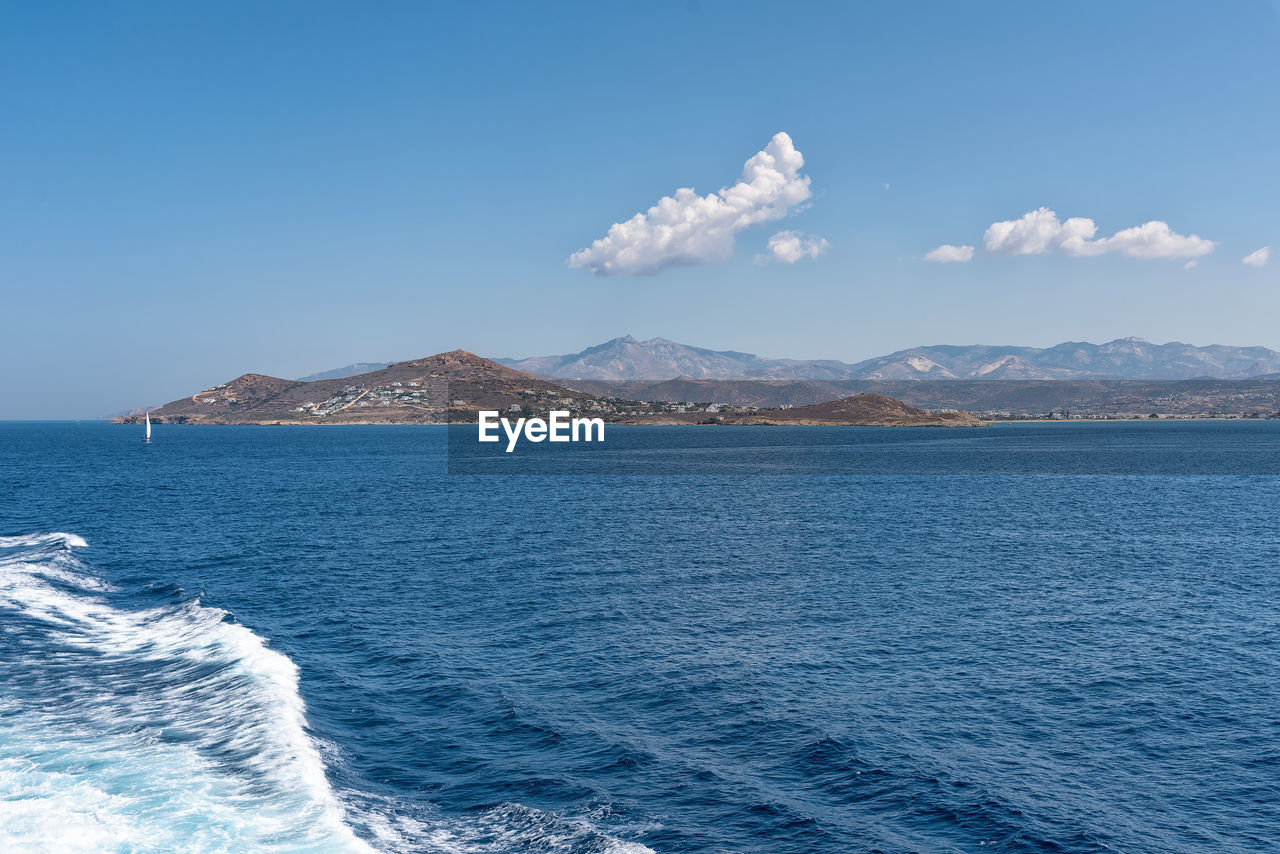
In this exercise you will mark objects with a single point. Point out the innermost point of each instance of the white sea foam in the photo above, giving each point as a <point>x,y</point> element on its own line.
<point>153,729</point>
<point>501,830</point>
<point>172,728</point>
<point>29,540</point>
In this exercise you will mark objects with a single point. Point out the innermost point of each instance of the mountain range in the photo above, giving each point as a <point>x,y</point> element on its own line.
<point>624,359</point>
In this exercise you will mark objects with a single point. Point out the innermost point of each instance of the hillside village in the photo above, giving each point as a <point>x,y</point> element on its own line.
<point>440,389</point>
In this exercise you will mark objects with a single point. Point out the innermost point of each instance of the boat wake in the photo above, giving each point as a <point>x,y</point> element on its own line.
<point>131,726</point>
<point>153,728</point>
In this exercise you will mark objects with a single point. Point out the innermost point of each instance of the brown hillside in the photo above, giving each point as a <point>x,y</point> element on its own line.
<point>863,410</point>
<point>451,387</point>
<point>420,391</point>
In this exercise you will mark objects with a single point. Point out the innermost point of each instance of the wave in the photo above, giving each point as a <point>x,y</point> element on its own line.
<point>501,830</point>
<point>127,726</point>
<point>147,728</point>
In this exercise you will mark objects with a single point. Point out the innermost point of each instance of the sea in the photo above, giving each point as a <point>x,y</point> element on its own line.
<point>1057,637</point>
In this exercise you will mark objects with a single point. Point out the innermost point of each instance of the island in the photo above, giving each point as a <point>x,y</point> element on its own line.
<point>452,387</point>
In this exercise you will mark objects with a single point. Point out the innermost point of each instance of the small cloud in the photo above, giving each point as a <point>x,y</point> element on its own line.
<point>948,254</point>
<point>1039,232</point>
<point>885,185</point>
<point>1259,258</point>
<point>790,246</point>
<point>1190,264</point>
<point>687,229</point>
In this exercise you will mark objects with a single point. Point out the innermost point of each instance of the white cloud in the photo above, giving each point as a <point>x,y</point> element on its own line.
<point>1039,231</point>
<point>948,254</point>
<point>790,246</point>
<point>1152,240</point>
<point>1190,265</point>
<point>687,229</point>
<point>1259,258</point>
<point>1036,233</point>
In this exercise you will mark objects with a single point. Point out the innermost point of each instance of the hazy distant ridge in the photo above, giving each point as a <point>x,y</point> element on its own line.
<point>1126,358</point>
<point>351,370</point>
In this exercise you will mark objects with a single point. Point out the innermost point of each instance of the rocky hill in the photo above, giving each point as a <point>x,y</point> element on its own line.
<point>429,390</point>
<point>865,410</point>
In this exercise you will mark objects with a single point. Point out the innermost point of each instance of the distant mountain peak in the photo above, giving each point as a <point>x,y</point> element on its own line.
<point>352,370</point>
<point>626,359</point>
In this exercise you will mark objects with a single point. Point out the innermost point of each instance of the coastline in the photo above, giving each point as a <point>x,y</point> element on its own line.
<point>987,422</point>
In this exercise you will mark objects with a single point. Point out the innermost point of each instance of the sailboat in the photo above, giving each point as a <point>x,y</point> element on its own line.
<point>146,437</point>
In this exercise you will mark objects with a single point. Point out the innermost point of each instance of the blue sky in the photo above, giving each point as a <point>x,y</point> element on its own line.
<point>192,191</point>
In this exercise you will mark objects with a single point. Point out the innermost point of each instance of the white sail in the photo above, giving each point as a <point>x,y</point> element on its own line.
<point>147,437</point>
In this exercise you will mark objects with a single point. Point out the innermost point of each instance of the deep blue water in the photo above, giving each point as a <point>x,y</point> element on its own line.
<point>317,639</point>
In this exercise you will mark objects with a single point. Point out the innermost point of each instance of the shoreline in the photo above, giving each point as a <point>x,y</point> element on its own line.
<point>983,422</point>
